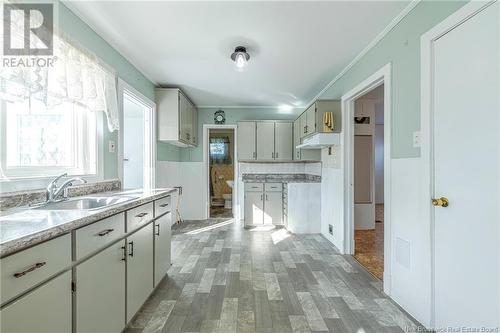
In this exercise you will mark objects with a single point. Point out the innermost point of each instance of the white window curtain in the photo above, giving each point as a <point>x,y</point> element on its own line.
<point>76,76</point>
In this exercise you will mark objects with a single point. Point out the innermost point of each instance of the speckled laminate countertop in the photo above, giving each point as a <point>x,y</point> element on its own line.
<point>280,178</point>
<point>21,228</point>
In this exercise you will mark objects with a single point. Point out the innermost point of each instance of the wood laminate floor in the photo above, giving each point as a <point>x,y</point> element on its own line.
<point>369,245</point>
<point>225,278</point>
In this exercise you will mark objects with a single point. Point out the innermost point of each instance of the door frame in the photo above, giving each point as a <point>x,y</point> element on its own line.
<point>427,121</point>
<point>206,167</point>
<point>150,158</point>
<point>381,76</point>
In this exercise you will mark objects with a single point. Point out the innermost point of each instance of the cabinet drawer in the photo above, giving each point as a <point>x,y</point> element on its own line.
<point>274,187</point>
<point>98,235</point>
<point>254,187</point>
<point>139,215</point>
<point>25,269</point>
<point>163,205</point>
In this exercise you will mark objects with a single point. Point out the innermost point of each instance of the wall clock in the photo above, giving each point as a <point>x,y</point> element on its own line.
<point>219,117</point>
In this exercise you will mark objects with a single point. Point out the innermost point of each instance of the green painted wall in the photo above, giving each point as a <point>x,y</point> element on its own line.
<point>401,47</point>
<point>206,116</point>
<point>82,35</point>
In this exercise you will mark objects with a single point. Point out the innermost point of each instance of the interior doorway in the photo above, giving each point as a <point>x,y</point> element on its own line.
<point>369,181</point>
<point>221,172</point>
<point>137,139</point>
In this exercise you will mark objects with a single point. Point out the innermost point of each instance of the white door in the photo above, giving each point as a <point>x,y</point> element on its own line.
<point>246,141</point>
<point>273,208</point>
<point>133,142</point>
<point>265,141</point>
<point>466,171</point>
<point>283,142</point>
<point>162,246</point>
<point>139,269</point>
<point>102,278</point>
<point>254,208</point>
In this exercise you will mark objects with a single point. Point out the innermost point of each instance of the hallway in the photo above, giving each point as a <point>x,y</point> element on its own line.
<point>228,279</point>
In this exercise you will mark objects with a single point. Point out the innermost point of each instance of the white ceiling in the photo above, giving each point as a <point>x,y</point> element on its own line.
<point>296,48</point>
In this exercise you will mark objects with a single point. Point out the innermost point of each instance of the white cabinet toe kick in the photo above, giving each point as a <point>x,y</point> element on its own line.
<point>93,279</point>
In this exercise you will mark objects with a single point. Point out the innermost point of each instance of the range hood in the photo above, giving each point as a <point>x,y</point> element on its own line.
<point>320,140</point>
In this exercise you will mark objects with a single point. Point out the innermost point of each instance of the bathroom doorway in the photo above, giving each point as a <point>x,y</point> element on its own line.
<point>221,162</point>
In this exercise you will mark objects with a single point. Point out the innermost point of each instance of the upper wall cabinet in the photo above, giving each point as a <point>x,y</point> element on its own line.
<point>177,118</point>
<point>265,141</point>
<point>311,120</point>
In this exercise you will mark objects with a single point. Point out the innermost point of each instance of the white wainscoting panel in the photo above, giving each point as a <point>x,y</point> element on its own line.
<point>410,241</point>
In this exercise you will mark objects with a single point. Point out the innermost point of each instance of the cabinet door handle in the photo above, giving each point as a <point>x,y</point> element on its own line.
<point>266,198</point>
<point>158,230</point>
<point>164,205</point>
<point>141,214</point>
<point>261,197</point>
<point>30,269</point>
<point>276,155</point>
<point>124,257</point>
<point>105,232</point>
<point>131,249</point>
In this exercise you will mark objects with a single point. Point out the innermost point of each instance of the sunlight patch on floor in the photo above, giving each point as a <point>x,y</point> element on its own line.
<point>211,227</point>
<point>280,235</point>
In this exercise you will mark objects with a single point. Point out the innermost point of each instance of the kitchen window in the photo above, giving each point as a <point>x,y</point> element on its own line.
<point>39,141</point>
<point>51,118</point>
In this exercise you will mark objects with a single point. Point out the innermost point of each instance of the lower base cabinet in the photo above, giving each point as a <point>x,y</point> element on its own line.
<point>100,292</point>
<point>162,234</point>
<point>273,208</point>
<point>46,309</point>
<point>139,269</point>
<point>263,204</point>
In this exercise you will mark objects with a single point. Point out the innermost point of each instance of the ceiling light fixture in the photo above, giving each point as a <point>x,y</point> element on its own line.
<point>240,58</point>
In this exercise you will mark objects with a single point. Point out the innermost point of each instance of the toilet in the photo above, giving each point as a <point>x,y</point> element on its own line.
<point>228,198</point>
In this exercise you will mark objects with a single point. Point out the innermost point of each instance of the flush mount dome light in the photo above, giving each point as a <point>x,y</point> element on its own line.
<point>240,58</point>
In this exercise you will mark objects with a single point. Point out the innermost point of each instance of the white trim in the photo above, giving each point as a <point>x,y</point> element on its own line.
<point>426,118</point>
<point>370,46</point>
<point>150,163</point>
<point>206,167</point>
<point>382,76</point>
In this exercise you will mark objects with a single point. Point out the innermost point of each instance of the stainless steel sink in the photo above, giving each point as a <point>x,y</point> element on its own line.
<point>85,203</point>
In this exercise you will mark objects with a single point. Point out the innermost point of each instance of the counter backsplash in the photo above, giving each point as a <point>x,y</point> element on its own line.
<point>10,200</point>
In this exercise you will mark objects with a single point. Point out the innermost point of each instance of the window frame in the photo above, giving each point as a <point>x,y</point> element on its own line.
<point>10,177</point>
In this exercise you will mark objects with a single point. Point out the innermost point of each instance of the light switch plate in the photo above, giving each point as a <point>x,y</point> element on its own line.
<point>416,139</point>
<point>112,146</point>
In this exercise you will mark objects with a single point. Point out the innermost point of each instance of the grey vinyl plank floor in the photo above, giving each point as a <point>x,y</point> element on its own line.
<point>225,278</point>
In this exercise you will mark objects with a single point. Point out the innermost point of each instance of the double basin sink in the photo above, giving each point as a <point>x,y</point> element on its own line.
<point>85,203</point>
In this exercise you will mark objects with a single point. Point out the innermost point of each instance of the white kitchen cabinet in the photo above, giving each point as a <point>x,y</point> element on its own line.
<point>100,291</point>
<point>247,149</point>
<point>177,117</point>
<point>254,208</point>
<point>263,204</point>
<point>139,269</point>
<point>162,234</point>
<point>282,141</point>
<point>265,141</point>
<point>296,139</point>
<point>273,208</point>
<point>46,309</point>
<point>310,122</point>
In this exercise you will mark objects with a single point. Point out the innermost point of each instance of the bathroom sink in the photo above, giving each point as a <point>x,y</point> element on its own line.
<point>85,203</point>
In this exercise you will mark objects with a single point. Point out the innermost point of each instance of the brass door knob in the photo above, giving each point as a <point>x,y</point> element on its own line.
<point>441,202</point>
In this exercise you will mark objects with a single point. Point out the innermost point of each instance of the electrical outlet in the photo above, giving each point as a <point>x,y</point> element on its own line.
<point>416,139</point>
<point>330,229</point>
<point>112,146</point>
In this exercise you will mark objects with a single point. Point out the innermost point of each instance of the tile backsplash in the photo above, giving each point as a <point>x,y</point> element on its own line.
<point>309,168</point>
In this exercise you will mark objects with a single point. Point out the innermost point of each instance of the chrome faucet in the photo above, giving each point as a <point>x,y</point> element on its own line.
<point>53,191</point>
